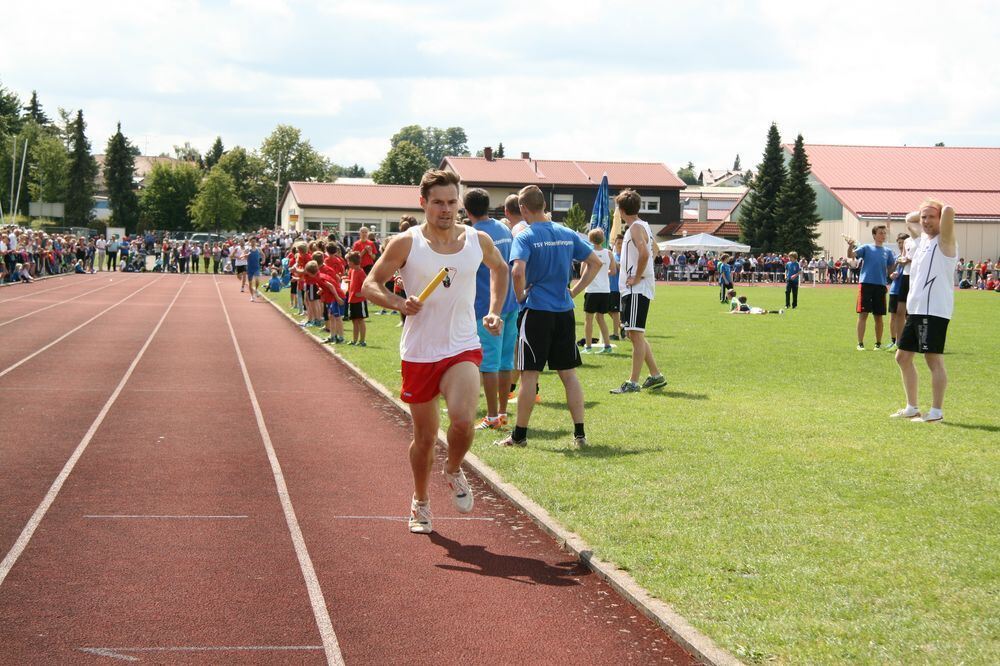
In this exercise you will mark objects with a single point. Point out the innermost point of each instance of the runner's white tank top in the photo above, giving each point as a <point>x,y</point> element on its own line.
<point>446,325</point>
<point>630,259</point>
<point>931,275</point>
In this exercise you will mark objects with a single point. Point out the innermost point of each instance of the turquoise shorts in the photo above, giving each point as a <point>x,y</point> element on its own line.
<point>498,350</point>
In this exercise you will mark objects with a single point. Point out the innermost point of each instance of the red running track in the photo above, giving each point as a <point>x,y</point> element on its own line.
<point>174,538</point>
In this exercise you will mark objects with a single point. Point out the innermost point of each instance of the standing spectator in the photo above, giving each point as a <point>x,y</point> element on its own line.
<point>615,298</point>
<point>195,257</point>
<point>792,271</point>
<point>365,247</point>
<point>113,247</point>
<point>725,277</point>
<point>597,295</point>
<point>876,264</point>
<point>101,246</point>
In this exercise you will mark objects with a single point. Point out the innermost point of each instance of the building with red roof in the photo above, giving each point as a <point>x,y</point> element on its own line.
<point>568,182</point>
<point>345,207</point>
<point>860,186</point>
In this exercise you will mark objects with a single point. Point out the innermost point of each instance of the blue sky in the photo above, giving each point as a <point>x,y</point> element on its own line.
<point>564,80</point>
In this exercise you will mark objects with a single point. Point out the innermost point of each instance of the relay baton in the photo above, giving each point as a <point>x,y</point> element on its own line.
<point>432,285</point>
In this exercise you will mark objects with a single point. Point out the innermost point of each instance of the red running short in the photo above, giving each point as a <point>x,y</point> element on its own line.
<point>422,381</point>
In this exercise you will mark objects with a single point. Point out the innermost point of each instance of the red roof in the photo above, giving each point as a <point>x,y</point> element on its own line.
<point>874,180</point>
<point>352,195</point>
<point>692,227</point>
<point>562,172</point>
<point>714,214</point>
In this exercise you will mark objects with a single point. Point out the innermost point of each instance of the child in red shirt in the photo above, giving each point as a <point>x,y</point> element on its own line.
<point>333,297</point>
<point>357,306</point>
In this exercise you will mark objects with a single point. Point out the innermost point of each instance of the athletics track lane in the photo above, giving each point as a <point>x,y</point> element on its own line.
<point>52,399</point>
<point>181,440</point>
<point>493,589</point>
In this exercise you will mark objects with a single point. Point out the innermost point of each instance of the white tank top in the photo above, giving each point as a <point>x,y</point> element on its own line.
<point>931,291</point>
<point>446,325</point>
<point>602,283</point>
<point>630,257</point>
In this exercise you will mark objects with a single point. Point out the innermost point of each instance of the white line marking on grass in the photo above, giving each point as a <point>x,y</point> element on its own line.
<point>405,518</point>
<point>330,645</point>
<point>120,653</point>
<point>74,330</point>
<point>35,293</point>
<point>165,517</point>
<point>22,541</point>
<point>48,307</point>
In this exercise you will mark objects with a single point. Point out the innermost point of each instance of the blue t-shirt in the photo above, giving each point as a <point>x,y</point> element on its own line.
<point>792,268</point>
<point>548,251</point>
<point>253,261</point>
<point>876,263</point>
<point>725,273</point>
<point>502,238</point>
<point>618,270</point>
<point>274,284</point>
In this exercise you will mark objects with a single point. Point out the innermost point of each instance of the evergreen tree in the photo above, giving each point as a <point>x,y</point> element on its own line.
<point>33,110</point>
<point>499,153</point>
<point>736,163</point>
<point>796,209</point>
<point>82,171</point>
<point>215,153</point>
<point>355,171</point>
<point>758,221</point>
<point>167,196</point>
<point>405,164</point>
<point>119,170</point>
<point>217,205</point>
<point>10,112</point>
<point>687,174</point>
<point>576,218</point>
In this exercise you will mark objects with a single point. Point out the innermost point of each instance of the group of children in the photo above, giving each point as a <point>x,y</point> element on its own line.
<point>325,288</point>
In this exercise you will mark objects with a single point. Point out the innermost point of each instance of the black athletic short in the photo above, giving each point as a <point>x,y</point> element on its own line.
<point>241,269</point>
<point>894,301</point>
<point>924,334</point>
<point>357,310</point>
<point>547,338</point>
<point>904,288</point>
<point>294,286</point>
<point>597,303</point>
<point>871,298</point>
<point>311,292</point>
<point>615,301</point>
<point>635,307</point>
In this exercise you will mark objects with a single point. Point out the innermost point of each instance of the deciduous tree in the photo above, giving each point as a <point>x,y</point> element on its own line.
<point>403,165</point>
<point>169,191</point>
<point>217,204</point>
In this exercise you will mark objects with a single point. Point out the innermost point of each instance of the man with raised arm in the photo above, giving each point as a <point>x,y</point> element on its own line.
<point>929,305</point>
<point>876,264</point>
<point>440,348</point>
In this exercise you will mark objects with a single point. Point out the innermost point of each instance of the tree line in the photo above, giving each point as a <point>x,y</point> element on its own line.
<point>232,188</point>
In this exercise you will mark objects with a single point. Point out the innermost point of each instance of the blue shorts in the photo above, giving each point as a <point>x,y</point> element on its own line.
<point>498,350</point>
<point>335,309</point>
<point>252,272</point>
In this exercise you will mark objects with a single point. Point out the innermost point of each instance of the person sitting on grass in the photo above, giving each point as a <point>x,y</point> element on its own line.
<point>746,308</point>
<point>734,303</point>
<point>21,274</point>
<point>274,284</point>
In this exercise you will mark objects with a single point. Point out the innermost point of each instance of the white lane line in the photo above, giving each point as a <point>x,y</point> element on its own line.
<point>165,517</point>
<point>48,307</point>
<point>120,653</point>
<point>35,293</point>
<point>74,330</point>
<point>330,645</point>
<point>22,541</point>
<point>405,518</point>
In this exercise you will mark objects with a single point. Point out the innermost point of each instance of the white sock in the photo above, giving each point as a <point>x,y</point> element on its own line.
<point>934,413</point>
<point>912,408</point>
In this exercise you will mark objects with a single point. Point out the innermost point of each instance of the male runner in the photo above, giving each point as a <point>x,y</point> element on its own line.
<point>498,351</point>
<point>876,263</point>
<point>543,258</point>
<point>440,348</point>
<point>637,285</point>
<point>253,268</point>
<point>929,305</point>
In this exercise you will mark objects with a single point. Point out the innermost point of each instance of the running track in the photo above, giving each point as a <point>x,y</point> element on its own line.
<point>186,478</point>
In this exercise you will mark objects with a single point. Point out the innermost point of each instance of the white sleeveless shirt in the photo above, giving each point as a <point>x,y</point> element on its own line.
<point>630,259</point>
<point>446,325</point>
<point>931,275</point>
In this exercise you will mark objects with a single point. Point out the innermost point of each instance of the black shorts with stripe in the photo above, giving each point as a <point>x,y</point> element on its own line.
<point>871,298</point>
<point>357,310</point>
<point>547,338</point>
<point>615,300</point>
<point>597,303</point>
<point>924,334</point>
<point>635,307</point>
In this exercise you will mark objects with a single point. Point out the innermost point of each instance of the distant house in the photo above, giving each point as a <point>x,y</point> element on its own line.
<point>722,178</point>
<point>345,207</point>
<point>706,210</point>
<point>860,186</point>
<point>568,182</point>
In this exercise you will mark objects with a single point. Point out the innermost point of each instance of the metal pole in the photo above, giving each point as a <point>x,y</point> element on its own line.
<point>13,170</point>
<point>277,194</point>
<point>20,179</point>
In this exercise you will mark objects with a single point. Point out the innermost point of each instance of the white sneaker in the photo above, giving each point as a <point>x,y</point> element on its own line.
<point>905,413</point>
<point>927,418</point>
<point>420,517</point>
<point>461,493</point>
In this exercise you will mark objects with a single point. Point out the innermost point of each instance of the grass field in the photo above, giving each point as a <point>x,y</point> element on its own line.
<point>765,494</point>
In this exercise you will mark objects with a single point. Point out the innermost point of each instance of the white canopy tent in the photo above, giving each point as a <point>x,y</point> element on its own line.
<point>703,243</point>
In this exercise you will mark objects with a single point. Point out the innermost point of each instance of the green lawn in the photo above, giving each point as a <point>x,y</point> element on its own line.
<point>765,494</point>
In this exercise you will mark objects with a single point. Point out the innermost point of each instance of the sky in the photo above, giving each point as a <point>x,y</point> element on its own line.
<point>584,80</point>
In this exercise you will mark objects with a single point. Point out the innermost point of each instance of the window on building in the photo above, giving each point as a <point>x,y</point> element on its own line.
<point>322,224</point>
<point>650,205</point>
<point>562,202</point>
<point>374,226</point>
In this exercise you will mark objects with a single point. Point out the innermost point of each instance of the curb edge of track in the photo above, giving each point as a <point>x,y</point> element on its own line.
<point>698,644</point>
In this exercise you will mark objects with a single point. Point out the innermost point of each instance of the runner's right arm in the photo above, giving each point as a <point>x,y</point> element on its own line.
<point>385,267</point>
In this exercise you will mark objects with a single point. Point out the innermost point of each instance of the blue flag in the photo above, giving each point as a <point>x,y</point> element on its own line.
<point>601,216</point>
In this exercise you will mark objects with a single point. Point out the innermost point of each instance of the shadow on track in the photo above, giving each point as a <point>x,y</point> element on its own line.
<point>480,561</point>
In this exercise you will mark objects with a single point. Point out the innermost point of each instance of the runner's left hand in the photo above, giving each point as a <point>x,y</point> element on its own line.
<point>493,323</point>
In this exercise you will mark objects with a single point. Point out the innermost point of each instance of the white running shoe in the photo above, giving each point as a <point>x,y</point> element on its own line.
<point>461,493</point>
<point>927,418</point>
<point>420,517</point>
<point>905,413</point>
